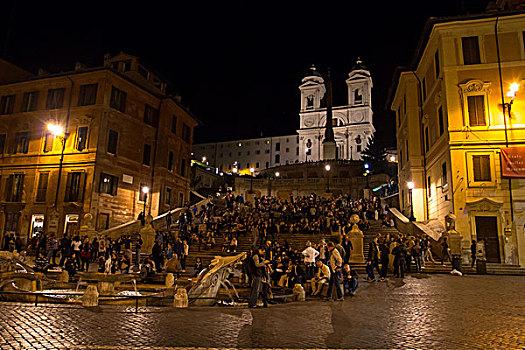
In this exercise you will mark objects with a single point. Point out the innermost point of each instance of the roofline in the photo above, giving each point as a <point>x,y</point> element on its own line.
<point>109,69</point>
<point>423,40</point>
<point>244,140</point>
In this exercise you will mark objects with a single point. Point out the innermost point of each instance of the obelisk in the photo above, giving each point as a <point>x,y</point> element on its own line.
<point>329,140</point>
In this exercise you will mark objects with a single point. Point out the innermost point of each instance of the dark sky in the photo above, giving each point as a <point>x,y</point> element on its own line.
<point>237,64</point>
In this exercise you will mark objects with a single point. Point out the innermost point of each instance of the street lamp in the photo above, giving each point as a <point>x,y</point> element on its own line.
<point>252,170</point>
<point>411,186</point>
<point>327,168</point>
<point>514,87</point>
<point>277,174</point>
<point>204,159</point>
<point>57,130</point>
<point>145,190</point>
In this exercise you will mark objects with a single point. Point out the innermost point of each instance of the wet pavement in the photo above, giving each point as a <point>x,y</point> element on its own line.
<point>430,312</point>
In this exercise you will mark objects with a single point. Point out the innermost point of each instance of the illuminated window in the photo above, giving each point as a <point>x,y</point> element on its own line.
<point>49,139</point>
<point>108,184</point>
<point>82,133</point>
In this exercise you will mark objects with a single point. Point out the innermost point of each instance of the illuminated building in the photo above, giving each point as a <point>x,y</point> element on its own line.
<point>352,124</point>
<point>451,127</point>
<point>99,135</point>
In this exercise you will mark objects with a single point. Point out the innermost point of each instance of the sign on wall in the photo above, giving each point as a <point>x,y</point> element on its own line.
<point>513,162</point>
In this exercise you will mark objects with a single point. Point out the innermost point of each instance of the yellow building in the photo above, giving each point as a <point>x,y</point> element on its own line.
<point>451,127</point>
<point>78,148</point>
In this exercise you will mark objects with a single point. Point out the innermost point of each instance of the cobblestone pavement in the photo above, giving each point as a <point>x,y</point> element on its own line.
<point>431,312</point>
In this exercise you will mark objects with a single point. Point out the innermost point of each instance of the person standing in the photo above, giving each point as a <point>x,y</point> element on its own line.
<point>347,245</point>
<point>310,254</point>
<point>400,262</point>
<point>260,279</point>
<point>445,251</point>
<point>473,252</point>
<point>373,253</point>
<point>336,262</point>
<point>416,256</point>
<point>385,258</point>
<point>65,249</point>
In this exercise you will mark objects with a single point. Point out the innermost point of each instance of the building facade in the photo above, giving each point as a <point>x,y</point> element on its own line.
<point>352,124</point>
<point>78,148</point>
<point>452,125</point>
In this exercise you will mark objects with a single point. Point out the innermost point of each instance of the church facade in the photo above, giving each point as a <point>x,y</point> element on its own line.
<point>352,126</point>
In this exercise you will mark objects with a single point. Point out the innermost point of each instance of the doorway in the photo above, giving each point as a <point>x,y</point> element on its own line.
<point>71,225</point>
<point>487,230</point>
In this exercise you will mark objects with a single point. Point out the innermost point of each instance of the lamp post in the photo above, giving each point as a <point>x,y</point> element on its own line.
<point>411,186</point>
<point>58,131</point>
<point>514,87</point>
<point>145,190</point>
<point>252,170</point>
<point>327,168</point>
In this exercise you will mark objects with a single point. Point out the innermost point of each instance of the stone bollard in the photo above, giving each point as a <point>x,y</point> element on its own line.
<point>90,297</point>
<point>180,300</point>
<point>170,280</point>
<point>64,276</point>
<point>299,293</point>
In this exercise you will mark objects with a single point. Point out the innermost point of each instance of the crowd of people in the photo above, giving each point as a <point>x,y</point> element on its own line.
<point>272,263</point>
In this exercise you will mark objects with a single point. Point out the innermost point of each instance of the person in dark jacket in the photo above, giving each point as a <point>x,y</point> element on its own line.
<point>347,246</point>
<point>400,253</point>
<point>260,279</point>
<point>385,258</point>
<point>473,252</point>
<point>156,256</point>
<point>372,258</point>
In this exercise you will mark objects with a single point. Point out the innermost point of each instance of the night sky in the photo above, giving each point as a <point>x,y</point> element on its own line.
<point>237,64</point>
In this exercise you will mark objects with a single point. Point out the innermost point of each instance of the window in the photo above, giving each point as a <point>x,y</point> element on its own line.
<point>14,188</point>
<point>444,180</point>
<point>424,88</point>
<point>112,142</point>
<point>108,184</point>
<point>470,50</point>
<point>481,165</point>
<point>174,124</point>
<point>103,221</point>
<point>168,195</point>
<point>358,97</point>
<point>7,104</point>
<point>239,154</point>
<point>41,189</point>
<point>267,164</point>
<point>257,165</point>
<point>258,152</point>
<point>29,101</point>
<point>151,116</point>
<point>186,133</point>
<point>441,121</point>
<point>278,146</point>
<point>247,165</point>
<point>87,94</point>
<point>436,63</point>
<point>247,153</point>
<point>142,196</point>
<point>358,148</point>
<point>170,161</point>
<point>127,66</point>
<point>427,141</point>
<point>406,147</point>
<point>74,187</point>
<point>146,156</point>
<point>287,150</point>
<point>82,133</point>
<point>267,151</point>
<point>21,142</point>
<point>55,98</point>
<point>49,139</point>
<point>118,99</point>
<point>429,186</point>
<point>143,71</point>
<point>181,199</point>
<point>297,151</point>
<point>183,167</point>
<point>2,143</point>
<point>277,158</point>
<point>476,110</point>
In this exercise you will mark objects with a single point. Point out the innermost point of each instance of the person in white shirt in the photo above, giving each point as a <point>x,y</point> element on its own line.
<point>309,260</point>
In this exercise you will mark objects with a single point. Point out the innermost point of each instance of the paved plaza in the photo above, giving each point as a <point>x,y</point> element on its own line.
<point>430,312</point>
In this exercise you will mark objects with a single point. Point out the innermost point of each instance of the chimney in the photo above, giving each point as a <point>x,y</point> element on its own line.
<point>79,66</point>
<point>42,72</point>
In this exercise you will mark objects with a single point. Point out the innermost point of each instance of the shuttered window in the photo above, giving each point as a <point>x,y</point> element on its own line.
<point>481,165</point>
<point>470,50</point>
<point>476,110</point>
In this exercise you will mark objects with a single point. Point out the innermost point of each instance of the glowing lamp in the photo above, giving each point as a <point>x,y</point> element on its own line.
<point>277,174</point>
<point>327,167</point>
<point>411,185</point>
<point>55,129</point>
<point>145,189</point>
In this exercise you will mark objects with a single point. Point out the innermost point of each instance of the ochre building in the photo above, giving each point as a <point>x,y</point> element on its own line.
<point>78,149</point>
<point>452,118</point>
